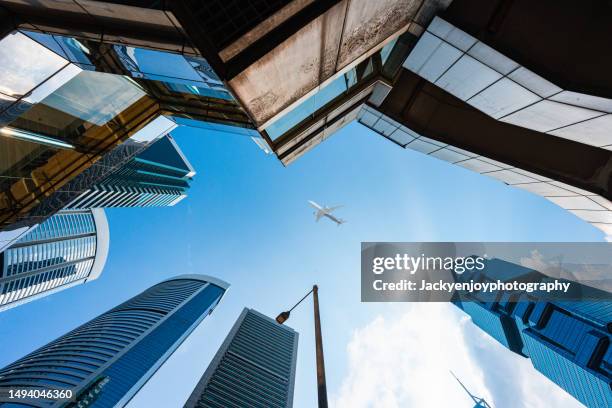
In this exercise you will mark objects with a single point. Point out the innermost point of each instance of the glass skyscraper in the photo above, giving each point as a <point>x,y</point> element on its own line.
<point>568,342</point>
<point>158,176</point>
<point>105,361</point>
<point>255,367</point>
<point>67,249</point>
<point>69,107</point>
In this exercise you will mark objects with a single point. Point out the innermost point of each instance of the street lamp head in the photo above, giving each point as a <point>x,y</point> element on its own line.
<point>281,318</point>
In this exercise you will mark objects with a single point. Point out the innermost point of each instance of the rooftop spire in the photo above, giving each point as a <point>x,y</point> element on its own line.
<point>480,402</point>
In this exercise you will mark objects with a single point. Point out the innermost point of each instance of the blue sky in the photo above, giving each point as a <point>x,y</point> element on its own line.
<point>247,221</point>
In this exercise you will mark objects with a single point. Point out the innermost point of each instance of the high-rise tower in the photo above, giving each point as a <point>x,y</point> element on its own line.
<point>108,359</point>
<point>254,367</point>
<point>67,249</point>
<point>568,342</point>
<point>73,112</point>
<point>159,176</point>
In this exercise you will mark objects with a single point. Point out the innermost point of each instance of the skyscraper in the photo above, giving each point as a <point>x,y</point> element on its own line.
<point>254,367</point>
<point>67,107</point>
<point>108,359</point>
<point>568,342</point>
<point>158,176</point>
<point>67,249</point>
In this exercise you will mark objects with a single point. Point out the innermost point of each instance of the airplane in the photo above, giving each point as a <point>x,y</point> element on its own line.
<point>325,212</point>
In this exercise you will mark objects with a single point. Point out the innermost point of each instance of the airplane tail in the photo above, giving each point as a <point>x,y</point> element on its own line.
<point>340,221</point>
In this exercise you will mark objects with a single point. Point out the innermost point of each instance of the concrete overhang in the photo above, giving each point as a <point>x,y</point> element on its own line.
<point>327,46</point>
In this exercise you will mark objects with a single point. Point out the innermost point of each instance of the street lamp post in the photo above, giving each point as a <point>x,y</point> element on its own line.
<point>321,384</point>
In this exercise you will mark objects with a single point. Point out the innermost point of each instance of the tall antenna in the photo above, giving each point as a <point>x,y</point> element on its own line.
<point>480,402</point>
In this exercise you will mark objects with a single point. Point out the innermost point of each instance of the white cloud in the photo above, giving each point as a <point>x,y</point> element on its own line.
<point>403,359</point>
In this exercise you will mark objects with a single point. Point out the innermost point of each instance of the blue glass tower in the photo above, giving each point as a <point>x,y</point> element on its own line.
<point>108,359</point>
<point>255,367</point>
<point>67,249</point>
<point>568,342</point>
<point>158,176</point>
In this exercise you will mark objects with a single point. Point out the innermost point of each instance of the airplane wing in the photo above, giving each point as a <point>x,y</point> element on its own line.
<point>315,205</point>
<point>318,215</point>
<point>334,208</point>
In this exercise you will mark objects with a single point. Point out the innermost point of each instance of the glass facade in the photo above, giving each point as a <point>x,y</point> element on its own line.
<point>336,102</point>
<point>494,323</point>
<point>183,73</point>
<point>67,249</point>
<point>185,85</point>
<point>26,65</point>
<point>322,97</point>
<point>118,351</point>
<point>587,386</point>
<point>254,367</point>
<point>159,176</point>
<point>56,117</point>
<point>505,90</point>
<point>65,103</point>
<point>568,342</point>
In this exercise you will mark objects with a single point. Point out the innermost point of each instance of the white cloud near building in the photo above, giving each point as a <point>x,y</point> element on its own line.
<point>403,359</point>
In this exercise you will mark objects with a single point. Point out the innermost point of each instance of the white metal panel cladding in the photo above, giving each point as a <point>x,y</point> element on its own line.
<point>588,206</point>
<point>506,91</point>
